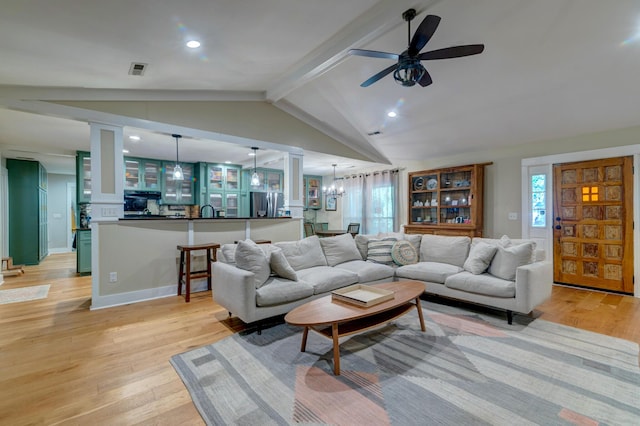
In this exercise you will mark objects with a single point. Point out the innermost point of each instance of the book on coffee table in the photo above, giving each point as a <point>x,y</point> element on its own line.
<point>362,295</point>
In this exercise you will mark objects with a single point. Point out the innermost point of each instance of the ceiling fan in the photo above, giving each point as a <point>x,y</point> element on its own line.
<point>409,71</point>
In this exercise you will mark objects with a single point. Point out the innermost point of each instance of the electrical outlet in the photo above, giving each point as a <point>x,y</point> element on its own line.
<point>113,277</point>
<point>513,216</point>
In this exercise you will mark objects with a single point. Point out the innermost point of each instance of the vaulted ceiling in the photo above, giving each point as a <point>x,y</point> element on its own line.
<point>550,69</point>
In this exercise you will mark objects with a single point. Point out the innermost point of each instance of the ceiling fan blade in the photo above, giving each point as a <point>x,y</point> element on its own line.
<point>425,80</point>
<point>423,34</point>
<point>452,52</point>
<point>378,76</point>
<point>374,54</point>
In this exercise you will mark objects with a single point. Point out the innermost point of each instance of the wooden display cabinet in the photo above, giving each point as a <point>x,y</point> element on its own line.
<point>447,201</point>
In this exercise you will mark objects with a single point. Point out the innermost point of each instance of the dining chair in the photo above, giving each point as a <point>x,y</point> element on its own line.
<point>353,229</point>
<point>309,229</point>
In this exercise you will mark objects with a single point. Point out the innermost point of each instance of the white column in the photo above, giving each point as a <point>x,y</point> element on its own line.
<point>107,163</point>
<point>293,197</point>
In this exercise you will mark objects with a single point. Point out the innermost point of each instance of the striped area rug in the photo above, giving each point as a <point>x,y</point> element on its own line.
<point>468,368</point>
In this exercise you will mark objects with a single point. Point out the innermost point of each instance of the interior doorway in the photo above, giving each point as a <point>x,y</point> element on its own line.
<point>593,224</point>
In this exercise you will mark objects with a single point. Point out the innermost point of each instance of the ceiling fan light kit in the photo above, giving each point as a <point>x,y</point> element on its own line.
<point>409,70</point>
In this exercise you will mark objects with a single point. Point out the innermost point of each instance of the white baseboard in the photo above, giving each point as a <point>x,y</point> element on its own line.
<point>119,299</point>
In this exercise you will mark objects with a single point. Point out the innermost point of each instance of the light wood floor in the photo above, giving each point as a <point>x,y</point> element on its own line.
<point>61,363</point>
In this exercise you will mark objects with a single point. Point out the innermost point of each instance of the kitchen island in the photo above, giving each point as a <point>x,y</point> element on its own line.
<point>135,259</point>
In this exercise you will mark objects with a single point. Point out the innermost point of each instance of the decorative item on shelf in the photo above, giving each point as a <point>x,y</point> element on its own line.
<point>418,184</point>
<point>255,179</point>
<point>432,184</point>
<point>177,170</point>
<point>333,190</point>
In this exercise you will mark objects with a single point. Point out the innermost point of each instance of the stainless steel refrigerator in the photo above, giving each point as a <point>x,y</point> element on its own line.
<point>266,204</point>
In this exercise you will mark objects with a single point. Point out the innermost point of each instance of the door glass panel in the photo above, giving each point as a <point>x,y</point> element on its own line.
<point>538,201</point>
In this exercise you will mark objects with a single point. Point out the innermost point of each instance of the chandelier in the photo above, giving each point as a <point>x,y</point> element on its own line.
<point>333,190</point>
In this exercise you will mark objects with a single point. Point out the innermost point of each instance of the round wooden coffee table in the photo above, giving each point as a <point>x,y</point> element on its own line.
<point>334,319</point>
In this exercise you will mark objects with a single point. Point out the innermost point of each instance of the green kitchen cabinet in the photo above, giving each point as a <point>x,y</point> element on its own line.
<point>83,177</point>
<point>83,251</point>
<point>271,180</point>
<point>178,191</point>
<point>141,174</point>
<point>312,192</point>
<point>221,189</point>
<point>28,240</point>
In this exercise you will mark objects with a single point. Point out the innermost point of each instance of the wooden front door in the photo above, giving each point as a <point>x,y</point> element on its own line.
<point>593,224</point>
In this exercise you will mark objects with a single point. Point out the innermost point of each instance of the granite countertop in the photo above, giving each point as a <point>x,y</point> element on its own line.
<point>157,217</point>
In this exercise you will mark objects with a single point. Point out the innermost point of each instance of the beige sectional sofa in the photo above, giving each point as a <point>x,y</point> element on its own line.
<point>255,282</point>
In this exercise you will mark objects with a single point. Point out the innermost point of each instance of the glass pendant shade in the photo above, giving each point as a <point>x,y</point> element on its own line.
<point>255,179</point>
<point>177,170</point>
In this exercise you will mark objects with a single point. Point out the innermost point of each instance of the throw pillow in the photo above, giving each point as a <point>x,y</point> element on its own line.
<point>252,258</point>
<point>228,253</point>
<point>303,254</point>
<point>379,251</point>
<point>479,258</point>
<point>362,242</point>
<point>340,249</point>
<point>280,266</point>
<point>404,253</point>
<point>507,259</point>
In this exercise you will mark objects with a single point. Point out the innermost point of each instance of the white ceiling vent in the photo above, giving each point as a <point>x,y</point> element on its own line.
<point>137,68</point>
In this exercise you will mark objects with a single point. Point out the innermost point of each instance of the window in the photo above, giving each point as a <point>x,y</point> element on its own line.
<point>589,193</point>
<point>538,201</point>
<point>371,200</point>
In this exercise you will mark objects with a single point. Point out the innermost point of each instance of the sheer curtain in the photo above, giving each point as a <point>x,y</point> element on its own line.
<point>372,200</point>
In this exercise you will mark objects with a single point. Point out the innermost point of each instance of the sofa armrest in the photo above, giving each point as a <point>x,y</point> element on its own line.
<point>534,283</point>
<point>234,289</point>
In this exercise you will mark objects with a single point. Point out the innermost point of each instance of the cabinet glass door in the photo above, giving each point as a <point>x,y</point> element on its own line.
<point>232,180</point>
<point>131,174</point>
<point>86,178</point>
<point>215,199</point>
<point>151,175</point>
<point>185,195</point>
<point>232,205</point>
<point>215,177</point>
<point>274,181</point>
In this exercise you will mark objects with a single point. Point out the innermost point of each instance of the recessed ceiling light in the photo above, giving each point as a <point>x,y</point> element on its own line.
<point>252,154</point>
<point>193,44</point>
<point>392,114</point>
<point>227,162</point>
<point>134,138</point>
<point>125,151</point>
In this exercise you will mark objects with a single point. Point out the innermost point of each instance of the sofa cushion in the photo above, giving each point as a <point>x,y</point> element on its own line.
<point>362,242</point>
<point>506,260</point>
<point>277,291</point>
<point>444,249</point>
<point>305,253</point>
<point>252,258</point>
<point>227,253</point>
<point>404,253</point>
<point>484,284</point>
<point>327,278</point>
<point>280,266</point>
<point>480,256</point>
<point>379,251</point>
<point>432,272</point>
<point>368,271</point>
<point>338,249</point>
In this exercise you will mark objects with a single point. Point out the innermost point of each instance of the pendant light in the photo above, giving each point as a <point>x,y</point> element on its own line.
<point>255,179</point>
<point>177,170</point>
<point>333,190</point>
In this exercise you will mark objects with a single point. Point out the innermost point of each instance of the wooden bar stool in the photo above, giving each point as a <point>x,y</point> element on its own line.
<point>185,274</point>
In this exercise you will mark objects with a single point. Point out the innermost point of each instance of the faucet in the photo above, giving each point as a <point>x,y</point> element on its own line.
<point>213,210</point>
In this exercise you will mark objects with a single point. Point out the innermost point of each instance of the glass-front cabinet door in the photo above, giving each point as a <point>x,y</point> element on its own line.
<point>232,205</point>
<point>151,172</point>
<point>181,191</point>
<point>274,181</point>
<point>233,179</point>
<point>215,199</point>
<point>83,177</point>
<point>131,174</point>
<point>215,177</point>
